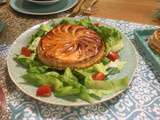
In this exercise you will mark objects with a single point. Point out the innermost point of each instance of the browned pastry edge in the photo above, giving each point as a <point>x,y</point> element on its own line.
<point>154,41</point>
<point>83,64</point>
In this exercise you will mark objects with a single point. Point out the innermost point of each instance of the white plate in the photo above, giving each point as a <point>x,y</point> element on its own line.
<point>128,54</point>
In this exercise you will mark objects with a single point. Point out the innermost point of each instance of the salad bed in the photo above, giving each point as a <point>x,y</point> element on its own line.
<point>87,84</point>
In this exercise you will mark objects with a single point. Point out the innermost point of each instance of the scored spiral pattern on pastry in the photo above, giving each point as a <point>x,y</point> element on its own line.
<point>71,46</point>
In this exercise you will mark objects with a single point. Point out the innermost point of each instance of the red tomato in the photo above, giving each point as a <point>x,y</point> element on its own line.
<point>98,76</point>
<point>44,91</point>
<point>113,56</point>
<point>25,51</point>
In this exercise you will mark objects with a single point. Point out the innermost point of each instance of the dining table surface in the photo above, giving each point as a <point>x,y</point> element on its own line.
<point>129,10</point>
<point>136,11</point>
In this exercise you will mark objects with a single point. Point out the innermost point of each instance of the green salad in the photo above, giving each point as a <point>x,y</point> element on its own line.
<point>88,84</point>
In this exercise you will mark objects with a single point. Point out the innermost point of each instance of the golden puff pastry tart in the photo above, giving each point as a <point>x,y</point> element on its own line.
<point>72,46</point>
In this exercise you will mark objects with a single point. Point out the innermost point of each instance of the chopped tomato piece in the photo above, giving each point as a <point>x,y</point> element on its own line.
<point>113,56</point>
<point>25,51</point>
<point>44,91</point>
<point>98,76</point>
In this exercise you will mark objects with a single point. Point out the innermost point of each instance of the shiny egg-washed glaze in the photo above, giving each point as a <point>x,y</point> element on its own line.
<point>71,46</point>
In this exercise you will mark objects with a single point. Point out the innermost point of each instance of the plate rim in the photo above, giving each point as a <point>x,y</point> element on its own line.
<point>48,1</point>
<point>17,9</point>
<point>70,105</point>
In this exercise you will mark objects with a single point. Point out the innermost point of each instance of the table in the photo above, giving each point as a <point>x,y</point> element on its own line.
<point>140,11</point>
<point>122,9</point>
<point>129,10</point>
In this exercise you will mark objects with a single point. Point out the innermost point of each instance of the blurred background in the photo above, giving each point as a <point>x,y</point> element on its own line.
<point>142,11</point>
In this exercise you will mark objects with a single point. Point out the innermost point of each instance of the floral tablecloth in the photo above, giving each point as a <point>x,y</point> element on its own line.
<point>140,102</point>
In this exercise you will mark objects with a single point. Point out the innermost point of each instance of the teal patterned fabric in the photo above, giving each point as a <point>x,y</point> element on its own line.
<point>140,102</point>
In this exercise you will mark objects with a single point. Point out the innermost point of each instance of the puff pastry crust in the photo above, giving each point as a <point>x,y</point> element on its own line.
<point>71,46</point>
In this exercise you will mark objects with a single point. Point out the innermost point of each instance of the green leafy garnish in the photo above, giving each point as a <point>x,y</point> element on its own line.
<point>67,91</point>
<point>113,70</point>
<point>34,40</point>
<point>106,85</point>
<point>105,60</point>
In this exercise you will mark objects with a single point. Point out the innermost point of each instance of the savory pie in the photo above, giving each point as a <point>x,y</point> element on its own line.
<point>73,46</point>
<point>154,41</point>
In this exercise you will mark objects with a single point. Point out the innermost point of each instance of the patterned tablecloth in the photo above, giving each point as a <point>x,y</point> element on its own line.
<point>140,102</point>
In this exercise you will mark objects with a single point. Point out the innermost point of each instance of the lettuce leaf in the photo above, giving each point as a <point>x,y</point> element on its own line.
<point>43,29</point>
<point>84,94</point>
<point>34,44</point>
<point>116,64</point>
<point>25,61</point>
<point>95,68</point>
<point>106,85</point>
<point>69,79</point>
<point>100,93</point>
<point>67,91</point>
<point>42,79</point>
